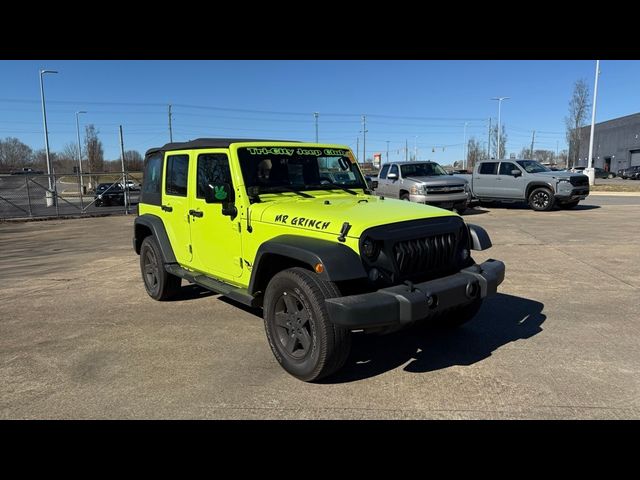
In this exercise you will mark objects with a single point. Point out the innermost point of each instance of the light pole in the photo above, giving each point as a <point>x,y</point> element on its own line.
<point>315,114</point>
<point>589,170</point>
<point>387,150</point>
<point>500,99</point>
<point>464,147</point>
<point>415,149</point>
<point>79,150</point>
<point>50,200</point>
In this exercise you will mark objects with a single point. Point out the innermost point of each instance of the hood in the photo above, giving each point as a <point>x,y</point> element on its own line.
<point>327,212</point>
<point>438,180</point>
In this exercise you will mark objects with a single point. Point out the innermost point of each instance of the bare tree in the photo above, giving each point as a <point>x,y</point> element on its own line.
<point>503,140</point>
<point>14,154</point>
<point>94,152</point>
<point>475,153</point>
<point>578,110</point>
<point>133,161</point>
<point>67,159</point>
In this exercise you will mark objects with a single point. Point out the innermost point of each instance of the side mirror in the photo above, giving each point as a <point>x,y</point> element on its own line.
<point>392,176</point>
<point>516,173</point>
<point>221,193</point>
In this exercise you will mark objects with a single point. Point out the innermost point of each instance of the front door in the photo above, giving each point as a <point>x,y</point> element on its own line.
<point>216,238</point>
<point>510,186</point>
<point>175,205</point>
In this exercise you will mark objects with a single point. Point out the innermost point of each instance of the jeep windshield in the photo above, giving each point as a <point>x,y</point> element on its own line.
<point>421,170</point>
<point>281,169</point>
<point>531,166</point>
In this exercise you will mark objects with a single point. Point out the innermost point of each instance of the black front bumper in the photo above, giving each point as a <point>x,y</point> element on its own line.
<point>404,304</point>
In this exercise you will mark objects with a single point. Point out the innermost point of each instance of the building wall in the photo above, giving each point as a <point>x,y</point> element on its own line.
<point>614,138</point>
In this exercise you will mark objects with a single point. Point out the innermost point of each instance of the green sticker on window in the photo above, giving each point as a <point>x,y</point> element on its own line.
<point>219,193</point>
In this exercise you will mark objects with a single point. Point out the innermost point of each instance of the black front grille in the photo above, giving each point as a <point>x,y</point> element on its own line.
<point>425,254</point>
<point>579,180</point>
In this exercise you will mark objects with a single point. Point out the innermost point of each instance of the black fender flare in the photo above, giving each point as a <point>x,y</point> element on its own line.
<point>339,261</point>
<point>533,185</point>
<point>479,237</point>
<point>156,226</point>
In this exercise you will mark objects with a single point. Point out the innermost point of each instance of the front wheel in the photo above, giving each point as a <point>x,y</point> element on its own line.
<point>541,199</point>
<point>300,334</point>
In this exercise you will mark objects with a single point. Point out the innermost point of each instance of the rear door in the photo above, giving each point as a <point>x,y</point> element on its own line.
<point>175,204</point>
<point>217,241</point>
<point>485,180</point>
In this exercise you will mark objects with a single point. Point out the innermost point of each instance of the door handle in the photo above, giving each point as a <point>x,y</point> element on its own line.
<point>167,208</point>
<point>196,213</point>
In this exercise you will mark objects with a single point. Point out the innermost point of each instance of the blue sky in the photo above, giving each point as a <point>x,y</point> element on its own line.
<point>423,102</point>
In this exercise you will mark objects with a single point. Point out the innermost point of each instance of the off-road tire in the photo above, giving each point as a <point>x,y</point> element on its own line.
<point>541,199</point>
<point>295,315</point>
<point>159,284</point>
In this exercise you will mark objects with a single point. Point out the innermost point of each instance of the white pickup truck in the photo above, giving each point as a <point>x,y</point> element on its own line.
<point>511,181</point>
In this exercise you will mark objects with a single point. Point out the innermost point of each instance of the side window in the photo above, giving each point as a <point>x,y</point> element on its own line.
<point>506,167</point>
<point>212,168</point>
<point>394,169</point>
<point>177,170</point>
<point>383,172</point>
<point>489,168</point>
<point>152,179</point>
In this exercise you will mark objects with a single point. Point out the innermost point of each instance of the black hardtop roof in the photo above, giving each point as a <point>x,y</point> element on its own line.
<point>209,143</point>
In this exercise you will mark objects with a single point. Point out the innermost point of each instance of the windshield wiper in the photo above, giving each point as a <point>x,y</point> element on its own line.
<point>341,187</point>
<point>291,189</point>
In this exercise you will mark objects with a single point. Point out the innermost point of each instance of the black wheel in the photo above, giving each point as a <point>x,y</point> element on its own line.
<point>405,197</point>
<point>160,284</point>
<point>301,336</point>
<point>541,199</point>
<point>568,205</point>
<point>98,202</point>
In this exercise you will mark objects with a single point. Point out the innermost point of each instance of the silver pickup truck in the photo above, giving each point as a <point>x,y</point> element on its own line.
<point>423,182</point>
<point>511,181</point>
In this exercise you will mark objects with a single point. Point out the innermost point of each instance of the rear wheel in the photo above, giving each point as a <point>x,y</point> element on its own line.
<point>160,284</point>
<point>405,197</point>
<point>541,199</point>
<point>300,334</point>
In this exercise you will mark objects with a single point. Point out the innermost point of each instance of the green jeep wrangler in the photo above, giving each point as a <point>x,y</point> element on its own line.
<point>294,229</point>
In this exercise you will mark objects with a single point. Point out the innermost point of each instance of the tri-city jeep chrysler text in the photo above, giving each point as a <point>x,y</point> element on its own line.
<point>294,229</point>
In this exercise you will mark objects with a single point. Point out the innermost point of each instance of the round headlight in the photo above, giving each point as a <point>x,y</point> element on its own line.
<point>369,248</point>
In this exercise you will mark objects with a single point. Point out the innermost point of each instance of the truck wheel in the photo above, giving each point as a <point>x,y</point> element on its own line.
<point>541,199</point>
<point>568,205</point>
<point>300,334</point>
<point>160,284</point>
<point>405,197</point>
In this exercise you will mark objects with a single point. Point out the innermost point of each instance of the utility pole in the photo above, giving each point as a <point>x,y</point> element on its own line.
<point>387,150</point>
<point>556,159</point>
<point>51,198</point>
<point>533,138</point>
<point>124,174</point>
<point>464,147</point>
<point>590,172</point>
<point>406,150</point>
<point>358,148</point>
<point>489,144</point>
<point>315,114</point>
<point>80,155</point>
<point>364,138</point>
<point>500,99</point>
<point>415,149</point>
<point>170,129</point>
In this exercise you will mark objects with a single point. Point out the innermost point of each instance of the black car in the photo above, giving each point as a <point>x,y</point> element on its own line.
<point>109,194</point>
<point>630,172</point>
<point>602,173</point>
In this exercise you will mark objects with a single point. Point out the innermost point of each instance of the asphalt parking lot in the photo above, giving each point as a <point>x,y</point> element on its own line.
<point>80,338</point>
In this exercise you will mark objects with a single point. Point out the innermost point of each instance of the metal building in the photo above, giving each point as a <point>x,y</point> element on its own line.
<point>616,143</point>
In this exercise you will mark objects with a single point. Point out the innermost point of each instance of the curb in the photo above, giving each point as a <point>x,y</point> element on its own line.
<point>615,194</point>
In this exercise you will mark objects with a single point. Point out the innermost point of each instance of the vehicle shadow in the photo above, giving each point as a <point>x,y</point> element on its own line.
<point>502,319</point>
<point>474,211</point>
<point>191,292</point>
<point>524,206</point>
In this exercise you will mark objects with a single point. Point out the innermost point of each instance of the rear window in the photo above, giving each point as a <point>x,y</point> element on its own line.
<point>152,180</point>
<point>489,168</point>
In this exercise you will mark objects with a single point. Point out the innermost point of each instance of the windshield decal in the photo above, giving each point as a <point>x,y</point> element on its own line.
<point>303,222</point>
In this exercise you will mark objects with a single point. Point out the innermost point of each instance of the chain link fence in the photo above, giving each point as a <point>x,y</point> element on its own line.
<point>29,195</point>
